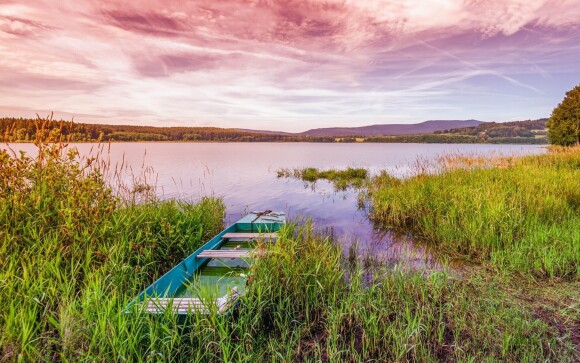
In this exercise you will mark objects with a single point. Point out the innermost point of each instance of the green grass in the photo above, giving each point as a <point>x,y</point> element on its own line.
<point>342,179</point>
<point>306,310</point>
<point>515,220</point>
<point>299,307</point>
<point>73,256</point>
<point>521,215</point>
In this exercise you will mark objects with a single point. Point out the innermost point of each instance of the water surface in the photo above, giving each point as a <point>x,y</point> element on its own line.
<point>244,174</point>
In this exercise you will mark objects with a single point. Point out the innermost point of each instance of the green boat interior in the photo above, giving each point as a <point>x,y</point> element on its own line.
<point>213,277</point>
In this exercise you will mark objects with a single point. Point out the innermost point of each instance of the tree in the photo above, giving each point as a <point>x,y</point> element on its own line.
<point>564,124</point>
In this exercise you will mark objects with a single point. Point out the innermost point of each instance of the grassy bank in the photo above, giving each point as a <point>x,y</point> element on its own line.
<point>520,214</point>
<point>73,255</point>
<point>341,179</point>
<point>308,311</point>
<point>514,220</point>
<point>299,307</point>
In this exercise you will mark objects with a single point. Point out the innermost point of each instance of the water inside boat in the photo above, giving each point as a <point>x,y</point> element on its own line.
<point>216,274</point>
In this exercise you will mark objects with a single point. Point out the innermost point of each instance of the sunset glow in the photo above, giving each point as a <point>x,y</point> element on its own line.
<point>287,65</point>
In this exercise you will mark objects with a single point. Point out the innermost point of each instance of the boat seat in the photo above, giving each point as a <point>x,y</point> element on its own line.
<point>178,305</point>
<point>224,254</point>
<point>235,253</point>
<point>191,304</point>
<point>249,236</point>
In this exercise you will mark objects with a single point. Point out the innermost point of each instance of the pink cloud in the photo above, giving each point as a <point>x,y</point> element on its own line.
<point>287,64</point>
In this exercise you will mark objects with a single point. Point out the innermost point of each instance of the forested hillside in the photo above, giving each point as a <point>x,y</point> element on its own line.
<point>25,130</point>
<point>529,131</point>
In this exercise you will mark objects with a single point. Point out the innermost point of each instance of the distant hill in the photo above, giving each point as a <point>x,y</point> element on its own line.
<point>265,132</point>
<point>426,127</point>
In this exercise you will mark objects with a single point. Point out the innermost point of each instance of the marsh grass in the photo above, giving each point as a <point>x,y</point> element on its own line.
<point>341,179</point>
<point>74,254</point>
<point>520,214</point>
<point>72,251</point>
<point>301,307</point>
<point>298,307</point>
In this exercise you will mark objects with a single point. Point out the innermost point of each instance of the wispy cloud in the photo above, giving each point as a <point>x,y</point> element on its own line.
<point>287,64</point>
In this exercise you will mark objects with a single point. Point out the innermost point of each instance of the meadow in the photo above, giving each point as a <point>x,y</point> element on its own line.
<point>75,252</point>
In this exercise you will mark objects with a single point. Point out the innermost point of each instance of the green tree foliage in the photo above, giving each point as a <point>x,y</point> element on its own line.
<point>515,132</point>
<point>18,129</point>
<point>564,124</point>
<point>23,130</point>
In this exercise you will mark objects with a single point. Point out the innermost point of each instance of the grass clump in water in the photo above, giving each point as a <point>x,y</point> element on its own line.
<point>342,179</point>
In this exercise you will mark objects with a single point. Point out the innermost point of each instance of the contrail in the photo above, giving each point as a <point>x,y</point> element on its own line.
<point>476,67</point>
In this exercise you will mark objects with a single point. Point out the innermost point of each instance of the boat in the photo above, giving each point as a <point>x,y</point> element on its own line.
<point>212,278</point>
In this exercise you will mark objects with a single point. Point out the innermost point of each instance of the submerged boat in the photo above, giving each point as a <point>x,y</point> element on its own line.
<point>213,277</point>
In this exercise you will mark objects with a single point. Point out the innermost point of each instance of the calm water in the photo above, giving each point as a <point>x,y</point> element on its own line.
<point>244,174</point>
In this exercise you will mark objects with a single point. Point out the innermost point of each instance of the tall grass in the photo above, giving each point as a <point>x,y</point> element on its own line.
<point>301,307</point>
<point>72,252</point>
<point>298,307</point>
<point>522,214</point>
<point>73,255</point>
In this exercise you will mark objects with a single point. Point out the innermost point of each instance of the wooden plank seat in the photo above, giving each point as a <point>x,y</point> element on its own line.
<point>234,253</point>
<point>192,304</point>
<point>178,305</point>
<point>249,236</point>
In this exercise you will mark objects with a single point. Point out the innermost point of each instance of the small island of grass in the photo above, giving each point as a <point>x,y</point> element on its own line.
<point>342,179</point>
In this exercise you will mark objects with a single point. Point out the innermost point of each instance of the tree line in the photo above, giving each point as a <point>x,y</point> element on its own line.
<point>25,130</point>
<point>528,131</point>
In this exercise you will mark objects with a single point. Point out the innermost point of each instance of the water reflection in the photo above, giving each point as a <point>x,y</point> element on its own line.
<point>389,248</point>
<point>362,240</point>
<point>244,174</point>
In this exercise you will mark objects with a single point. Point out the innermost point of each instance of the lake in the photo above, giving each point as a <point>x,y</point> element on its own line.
<point>244,174</point>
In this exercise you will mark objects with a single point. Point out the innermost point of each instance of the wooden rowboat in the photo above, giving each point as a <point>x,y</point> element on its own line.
<point>212,278</point>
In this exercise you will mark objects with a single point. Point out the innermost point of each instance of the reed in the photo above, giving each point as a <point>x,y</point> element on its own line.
<point>341,179</point>
<point>301,307</point>
<point>74,254</point>
<point>520,214</point>
<point>72,251</point>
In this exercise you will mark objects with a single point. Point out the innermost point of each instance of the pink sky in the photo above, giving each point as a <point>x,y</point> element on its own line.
<point>287,65</point>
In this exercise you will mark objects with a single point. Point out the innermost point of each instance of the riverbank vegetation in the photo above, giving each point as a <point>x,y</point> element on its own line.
<point>453,138</point>
<point>74,254</point>
<point>521,214</point>
<point>341,179</point>
<point>513,221</point>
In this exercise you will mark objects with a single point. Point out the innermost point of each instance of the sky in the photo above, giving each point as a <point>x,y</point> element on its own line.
<point>287,65</point>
